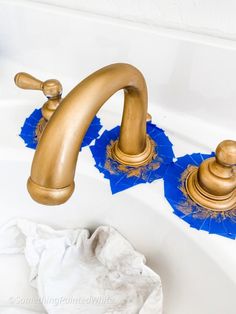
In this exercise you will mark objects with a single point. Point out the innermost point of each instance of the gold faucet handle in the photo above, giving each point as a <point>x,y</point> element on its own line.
<point>226,153</point>
<point>213,184</point>
<point>52,88</point>
<point>216,175</point>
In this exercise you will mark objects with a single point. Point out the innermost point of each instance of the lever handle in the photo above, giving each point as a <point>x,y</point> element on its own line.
<point>27,81</point>
<point>51,88</point>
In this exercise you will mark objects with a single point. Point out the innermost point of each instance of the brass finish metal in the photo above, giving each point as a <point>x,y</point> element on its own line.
<point>53,167</point>
<point>213,184</point>
<point>149,117</point>
<point>52,89</point>
<point>40,128</point>
<point>134,160</point>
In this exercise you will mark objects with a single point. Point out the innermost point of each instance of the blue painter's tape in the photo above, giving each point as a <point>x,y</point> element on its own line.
<point>29,136</point>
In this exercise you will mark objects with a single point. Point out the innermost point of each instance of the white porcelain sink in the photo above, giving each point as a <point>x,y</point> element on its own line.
<point>197,269</point>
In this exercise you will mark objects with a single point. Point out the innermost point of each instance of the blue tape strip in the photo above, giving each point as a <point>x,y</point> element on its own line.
<point>28,130</point>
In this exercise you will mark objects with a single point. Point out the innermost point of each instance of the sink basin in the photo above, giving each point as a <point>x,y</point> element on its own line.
<point>190,263</point>
<point>197,269</point>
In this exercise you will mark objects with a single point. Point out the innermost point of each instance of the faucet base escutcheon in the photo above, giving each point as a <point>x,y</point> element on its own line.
<point>207,200</point>
<point>134,160</point>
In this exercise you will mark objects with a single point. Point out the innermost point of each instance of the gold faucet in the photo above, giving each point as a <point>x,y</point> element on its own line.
<point>213,184</point>
<point>53,168</point>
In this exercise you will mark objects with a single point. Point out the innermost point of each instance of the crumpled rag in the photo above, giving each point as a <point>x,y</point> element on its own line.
<point>74,272</point>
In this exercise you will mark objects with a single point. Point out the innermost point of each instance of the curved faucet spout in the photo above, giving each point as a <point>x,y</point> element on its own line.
<point>54,163</point>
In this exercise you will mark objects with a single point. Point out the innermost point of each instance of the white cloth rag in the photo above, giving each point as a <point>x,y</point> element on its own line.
<point>76,273</point>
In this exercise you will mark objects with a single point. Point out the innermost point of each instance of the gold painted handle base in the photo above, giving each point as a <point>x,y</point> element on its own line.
<point>134,160</point>
<point>47,196</point>
<point>206,200</point>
